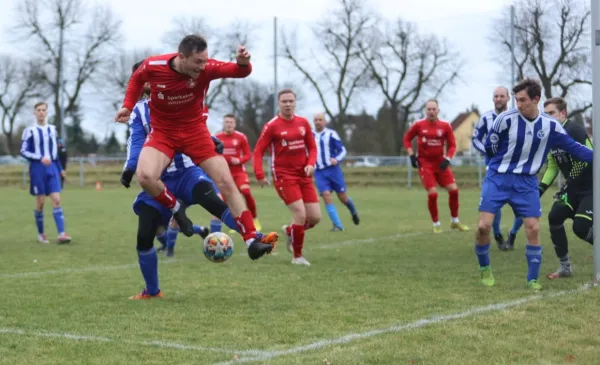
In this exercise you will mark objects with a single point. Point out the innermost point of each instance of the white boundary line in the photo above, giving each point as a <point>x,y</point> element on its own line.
<point>267,355</point>
<point>160,344</point>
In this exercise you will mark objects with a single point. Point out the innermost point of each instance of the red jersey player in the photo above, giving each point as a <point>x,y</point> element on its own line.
<point>434,163</point>
<point>236,151</point>
<point>178,86</point>
<point>293,158</point>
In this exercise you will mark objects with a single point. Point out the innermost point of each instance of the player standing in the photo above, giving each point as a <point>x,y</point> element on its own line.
<point>179,83</point>
<point>434,163</point>
<point>575,199</point>
<point>482,128</point>
<point>236,151</point>
<point>293,157</point>
<point>517,145</point>
<point>39,146</point>
<point>329,175</point>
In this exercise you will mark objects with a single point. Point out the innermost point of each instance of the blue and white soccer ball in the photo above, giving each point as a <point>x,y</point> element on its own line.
<point>218,247</point>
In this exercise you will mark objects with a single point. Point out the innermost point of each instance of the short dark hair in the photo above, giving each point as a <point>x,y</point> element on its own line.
<point>560,103</point>
<point>229,116</point>
<point>533,87</point>
<point>39,103</point>
<point>433,101</point>
<point>285,91</point>
<point>136,66</point>
<point>191,44</point>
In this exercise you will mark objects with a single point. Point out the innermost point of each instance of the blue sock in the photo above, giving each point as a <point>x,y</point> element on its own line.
<point>198,229</point>
<point>162,238</point>
<point>351,206</point>
<point>39,221</point>
<point>59,219</point>
<point>496,224</point>
<point>534,260</point>
<point>516,226</point>
<point>483,254</point>
<point>215,225</point>
<point>172,236</point>
<point>229,221</point>
<point>333,215</point>
<point>149,265</point>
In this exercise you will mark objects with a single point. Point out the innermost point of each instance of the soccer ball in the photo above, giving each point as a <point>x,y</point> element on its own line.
<point>218,247</point>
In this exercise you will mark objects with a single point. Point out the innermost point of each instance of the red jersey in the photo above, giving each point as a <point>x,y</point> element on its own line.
<point>431,137</point>
<point>235,145</point>
<point>177,99</point>
<point>292,145</point>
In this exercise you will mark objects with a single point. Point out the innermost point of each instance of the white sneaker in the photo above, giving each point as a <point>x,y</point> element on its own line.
<point>289,238</point>
<point>63,238</point>
<point>42,238</point>
<point>300,261</point>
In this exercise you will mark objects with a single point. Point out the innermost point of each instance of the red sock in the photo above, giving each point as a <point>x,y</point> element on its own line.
<point>432,205</point>
<point>166,199</point>
<point>307,226</point>
<point>297,239</point>
<point>246,225</point>
<point>453,202</point>
<point>249,201</point>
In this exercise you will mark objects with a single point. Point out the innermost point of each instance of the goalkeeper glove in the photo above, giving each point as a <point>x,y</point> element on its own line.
<point>561,195</point>
<point>542,188</point>
<point>218,145</point>
<point>126,177</point>
<point>414,162</point>
<point>445,163</point>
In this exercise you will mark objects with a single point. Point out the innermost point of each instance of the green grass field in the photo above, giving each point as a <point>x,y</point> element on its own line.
<point>386,292</point>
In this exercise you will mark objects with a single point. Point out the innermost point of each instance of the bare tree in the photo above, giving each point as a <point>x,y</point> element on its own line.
<point>408,68</point>
<point>222,45</point>
<point>552,42</point>
<point>20,82</point>
<point>75,42</point>
<point>339,70</point>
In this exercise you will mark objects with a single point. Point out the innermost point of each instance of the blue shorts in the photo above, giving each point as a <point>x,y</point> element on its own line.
<point>181,185</point>
<point>330,179</point>
<point>44,180</point>
<point>519,191</point>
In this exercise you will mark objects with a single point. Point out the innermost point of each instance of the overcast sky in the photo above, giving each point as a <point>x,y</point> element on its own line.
<point>465,23</point>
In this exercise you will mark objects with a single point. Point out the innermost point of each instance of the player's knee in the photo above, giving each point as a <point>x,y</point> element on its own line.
<point>245,189</point>
<point>556,217</point>
<point>145,177</point>
<point>484,228</point>
<point>145,240</point>
<point>532,227</point>
<point>582,227</point>
<point>343,197</point>
<point>432,191</point>
<point>314,218</point>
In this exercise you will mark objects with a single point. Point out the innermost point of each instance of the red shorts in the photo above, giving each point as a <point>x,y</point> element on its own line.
<point>195,142</point>
<point>241,178</point>
<point>433,175</point>
<point>292,189</point>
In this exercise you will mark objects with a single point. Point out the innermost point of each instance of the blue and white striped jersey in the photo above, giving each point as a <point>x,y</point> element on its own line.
<point>481,130</point>
<point>516,145</point>
<point>39,141</point>
<point>329,145</point>
<point>139,127</point>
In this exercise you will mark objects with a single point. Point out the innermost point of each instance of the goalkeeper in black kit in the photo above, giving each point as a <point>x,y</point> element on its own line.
<point>574,200</point>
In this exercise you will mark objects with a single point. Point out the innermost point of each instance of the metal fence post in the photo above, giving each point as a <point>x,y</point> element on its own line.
<point>81,173</point>
<point>25,167</point>
<point>409,177</point>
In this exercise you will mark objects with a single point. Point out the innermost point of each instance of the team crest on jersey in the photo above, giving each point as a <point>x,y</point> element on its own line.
<point>235,143</point>
<point>161,96</point>
<point>191,83</point>
<point>541,134</point>
<point>494,138</point>
<point>424,139</point>
<point>440,132</point>
<point>302,131</point>
<point>283,142</point>
<point>475,133</point>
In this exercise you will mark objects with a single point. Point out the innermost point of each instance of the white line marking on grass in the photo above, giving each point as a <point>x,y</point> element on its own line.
<point>76,270</point>
<point>369,240</point>
<point>160,344</point>
<point>403,327</point>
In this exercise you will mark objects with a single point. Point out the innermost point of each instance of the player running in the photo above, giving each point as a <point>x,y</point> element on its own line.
<point>575,199</point>
<point>293,157</point>
<point>329,175</point>
<point>40,148</point>
<point>517,145</point>
<point>179,83</point>
<point>237,152</point>
<point>434,163</point>
<point>482,128</point>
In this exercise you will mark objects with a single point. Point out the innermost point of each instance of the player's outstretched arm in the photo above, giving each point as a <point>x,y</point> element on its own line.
<point>135,143</point>
<point>559,138</point>
<point>239,69</point>
<point>259,150</point>
<point>26,143</point>
<point>133,92</point>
